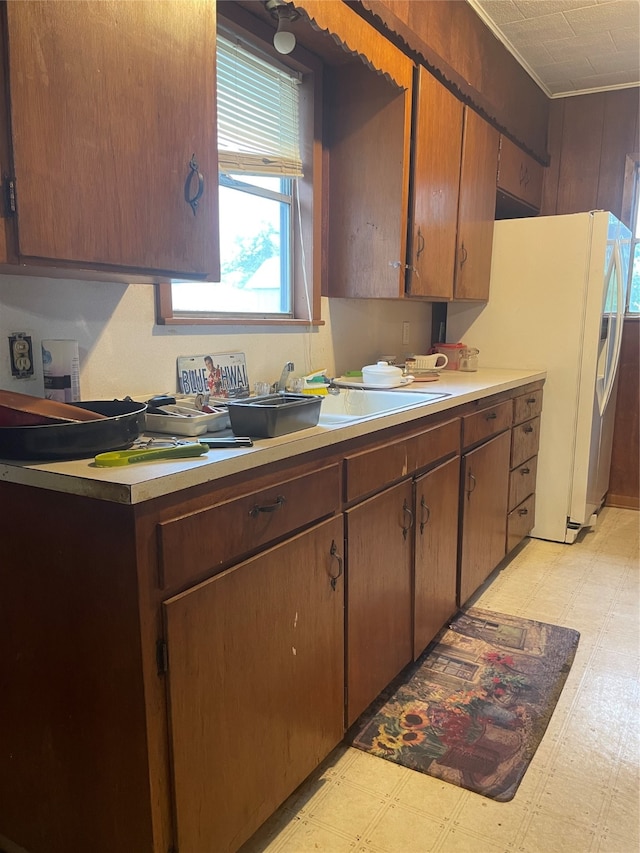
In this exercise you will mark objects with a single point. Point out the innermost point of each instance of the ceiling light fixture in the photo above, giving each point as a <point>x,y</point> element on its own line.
<point>284,39</point>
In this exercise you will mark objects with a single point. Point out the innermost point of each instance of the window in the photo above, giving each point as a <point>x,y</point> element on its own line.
<point>266,194</point>
<point>633,289</point>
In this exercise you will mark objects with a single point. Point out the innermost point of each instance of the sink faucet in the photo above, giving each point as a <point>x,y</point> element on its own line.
<point>281,384</point>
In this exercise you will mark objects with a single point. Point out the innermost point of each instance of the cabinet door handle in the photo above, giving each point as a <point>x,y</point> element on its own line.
<point>472,482</point>
<point>194,172</point>
<point>426,515</point>
<point>408,511</point>
<point>420,243</point>
<point>528,428</point>
<point>531,400</point>
<point>524,471</point>
<point>491,416</point>
<point>333,551</point>
<point>523,511</point>
<point>463,256</point>
<point>257,509</point>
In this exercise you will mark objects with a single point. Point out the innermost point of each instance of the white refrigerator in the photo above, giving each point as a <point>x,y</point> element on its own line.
<point>556,301</point>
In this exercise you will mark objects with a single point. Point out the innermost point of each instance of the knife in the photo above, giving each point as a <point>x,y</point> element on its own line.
<point>226,442</point>
<point>128,457</point>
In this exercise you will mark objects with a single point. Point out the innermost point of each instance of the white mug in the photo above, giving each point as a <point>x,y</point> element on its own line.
<point>437,361</point>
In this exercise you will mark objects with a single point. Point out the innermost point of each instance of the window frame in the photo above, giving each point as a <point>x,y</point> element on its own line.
<point>306,298</point>
<point>635,237</point>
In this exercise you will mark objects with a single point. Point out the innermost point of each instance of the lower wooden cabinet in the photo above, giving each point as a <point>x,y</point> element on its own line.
<point>436,536</point>
<point>520,522</point>
<point>525,438</point>
<point>484,503</point>
<point>206,659</point>
<point>379,561</point>
<point>255,686</point>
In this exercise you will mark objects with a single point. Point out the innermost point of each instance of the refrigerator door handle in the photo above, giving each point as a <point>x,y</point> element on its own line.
<point>612,366</point>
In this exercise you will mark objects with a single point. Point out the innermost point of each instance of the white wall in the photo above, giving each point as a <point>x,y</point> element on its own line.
<point>123,351</point>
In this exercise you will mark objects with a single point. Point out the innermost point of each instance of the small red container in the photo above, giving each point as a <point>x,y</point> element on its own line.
<point>453,353</point>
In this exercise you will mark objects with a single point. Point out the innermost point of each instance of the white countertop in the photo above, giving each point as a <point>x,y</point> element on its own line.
<point>143,481</point>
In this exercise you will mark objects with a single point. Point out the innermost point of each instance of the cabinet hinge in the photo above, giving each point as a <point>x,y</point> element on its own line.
<point>162,659</point>
<point>10,196</point>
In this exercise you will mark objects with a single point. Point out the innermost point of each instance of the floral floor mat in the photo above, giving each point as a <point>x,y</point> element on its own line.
<point>473,708</point>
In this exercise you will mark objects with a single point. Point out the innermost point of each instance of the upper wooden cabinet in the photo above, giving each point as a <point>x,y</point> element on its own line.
<point>476,208</point>
<point>433,241</point>
<point>519,175</point>
<point>367,137</point>
<point>453,193</point>
<point>435,188</point>
<point>112,115</point>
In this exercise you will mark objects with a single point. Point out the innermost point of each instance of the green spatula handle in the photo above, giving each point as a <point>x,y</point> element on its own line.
<point>128,457</point>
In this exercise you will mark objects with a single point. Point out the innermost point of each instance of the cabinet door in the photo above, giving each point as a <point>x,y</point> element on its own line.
<point>476,208</point>
<point>379,635</point>
<point>256,686</point>
<point>436,536</point>
<point>484,512</point>
<point>368,133</point>
<point>435,184</point>
<point>519,175</point>
<point>109,103</point>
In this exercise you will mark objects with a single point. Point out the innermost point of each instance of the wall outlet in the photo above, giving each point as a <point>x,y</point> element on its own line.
<point>405,333</point>
<point>21,355</point>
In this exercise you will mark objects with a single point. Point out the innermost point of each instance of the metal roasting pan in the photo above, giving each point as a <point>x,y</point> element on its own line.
<point>121,423</point>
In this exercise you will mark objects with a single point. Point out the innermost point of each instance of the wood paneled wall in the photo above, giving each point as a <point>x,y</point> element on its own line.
<point>589,139</point>
<point>624,484</point>
<point>453,40</point>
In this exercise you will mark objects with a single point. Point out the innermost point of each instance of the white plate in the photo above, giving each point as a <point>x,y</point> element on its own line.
<point>348,382</point>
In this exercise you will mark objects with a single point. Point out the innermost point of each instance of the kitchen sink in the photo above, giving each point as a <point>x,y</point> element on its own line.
<point>355,404</point>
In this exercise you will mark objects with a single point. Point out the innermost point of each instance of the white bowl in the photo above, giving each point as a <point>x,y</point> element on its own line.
<point>382,374</point>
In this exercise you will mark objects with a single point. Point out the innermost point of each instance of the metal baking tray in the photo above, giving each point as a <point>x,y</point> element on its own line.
<point>187,420</point>
<point>274,414</point>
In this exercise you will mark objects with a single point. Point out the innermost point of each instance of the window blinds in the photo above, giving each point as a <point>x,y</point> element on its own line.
<point>257,114</point>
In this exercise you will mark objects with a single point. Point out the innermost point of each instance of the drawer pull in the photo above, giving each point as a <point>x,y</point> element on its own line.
<point>426,515</point>
<point>256,510</point>
<point>523,511</point>
<point>525,471</point>
<point>408,511</point>
<point>531,400</point>
<point>528,428</point>
<point>491,416</point>
<point>333,551</point>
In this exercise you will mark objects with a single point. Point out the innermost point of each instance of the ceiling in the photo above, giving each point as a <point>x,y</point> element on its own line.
<point>569,46</point>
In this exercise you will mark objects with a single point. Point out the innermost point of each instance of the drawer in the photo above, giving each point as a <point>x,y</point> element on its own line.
<point>433,444</point>
<point>522,482</point>
<point>527,406</point>
<point>482,425</point>
<point>520,521</point>
<point>372,470</point>
<point>525,439</point>
<point>193,545</point>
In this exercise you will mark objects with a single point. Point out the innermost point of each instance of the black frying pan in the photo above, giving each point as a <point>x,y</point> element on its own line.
<point>121,423</point>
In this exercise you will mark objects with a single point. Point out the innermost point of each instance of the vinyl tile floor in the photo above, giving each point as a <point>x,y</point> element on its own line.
<point>581,792</point>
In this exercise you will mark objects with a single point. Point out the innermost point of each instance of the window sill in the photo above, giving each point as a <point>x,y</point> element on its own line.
<point>237,321</point>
